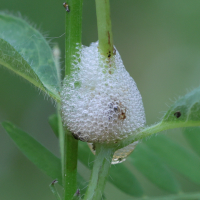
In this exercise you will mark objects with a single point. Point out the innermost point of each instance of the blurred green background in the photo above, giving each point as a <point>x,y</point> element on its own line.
<point>159,42</point>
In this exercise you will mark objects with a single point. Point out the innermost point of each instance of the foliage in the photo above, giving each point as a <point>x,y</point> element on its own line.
<point>162,161</point>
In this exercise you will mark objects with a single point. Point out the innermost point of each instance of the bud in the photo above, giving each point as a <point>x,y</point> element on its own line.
<point>100,100</point>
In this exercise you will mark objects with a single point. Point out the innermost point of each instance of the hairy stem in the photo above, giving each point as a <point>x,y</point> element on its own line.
<point>73,33</point>
<point>100,171</point>
<point>104,28</point>
<point>146,132</point>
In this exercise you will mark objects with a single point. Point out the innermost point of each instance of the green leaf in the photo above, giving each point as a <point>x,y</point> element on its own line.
<point>181,196</point>
<point>185,110</point>
<point>119,175</point>
<point>54,190</point>
<point>25,51</point>
<point>183,113</point>
<point>81,183</point>
<point>176,156</point>
<point>39,155</point>
<point>149,164</point>
<point>53,121</point>
<point>35,152</point>
<point>124,179</point>
<point>193,138</point>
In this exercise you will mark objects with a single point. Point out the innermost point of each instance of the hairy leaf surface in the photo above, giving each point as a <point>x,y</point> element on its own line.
<point>26,52</point>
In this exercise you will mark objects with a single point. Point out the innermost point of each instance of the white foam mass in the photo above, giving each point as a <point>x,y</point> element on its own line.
<point>100,100</point>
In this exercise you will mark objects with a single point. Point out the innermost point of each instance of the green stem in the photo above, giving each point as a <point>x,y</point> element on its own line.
<point>100,171</point>
<point>104,28</point>
<point>146,132</point>
<point>61,139</point>
<point>73,31</point>
<point>70,168</point>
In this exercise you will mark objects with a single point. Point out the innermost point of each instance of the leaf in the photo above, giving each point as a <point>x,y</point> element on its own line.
<point>53,121</point>
<point>193,138</point>
<point>176,156</point>
<point>149,164</point>
<point>186,109</point>
<point>39,155</point>
<point>35,152</point>
<point>181,196</point>
<point>54,190</point>
<point>25,51</point>
<point>185,112</point>
<point>124,179</point>
<point>119,175</point>
<point>81,183</point>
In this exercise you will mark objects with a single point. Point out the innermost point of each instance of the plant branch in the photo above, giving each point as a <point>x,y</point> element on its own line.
<point>100,171</point>
<point>73,33</point>
<point>104,28</point>
<point>70,168</point>
<point>146,132</point>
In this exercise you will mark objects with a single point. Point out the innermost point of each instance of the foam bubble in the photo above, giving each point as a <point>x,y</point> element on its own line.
<point>100,100</point>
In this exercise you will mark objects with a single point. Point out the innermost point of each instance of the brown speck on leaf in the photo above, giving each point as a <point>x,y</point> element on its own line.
<point>177,114</point>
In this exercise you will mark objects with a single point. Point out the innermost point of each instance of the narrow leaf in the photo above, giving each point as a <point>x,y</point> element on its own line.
<point>30,54</point>
<point>39,155</point>
<point>149,164</point>
<point>193,138</point>
<point>81,184</point>
<point>35,152</point>
<point>54,190</point>
<point>181,196</point>
<point>53,121</point>
<point>177,156</point>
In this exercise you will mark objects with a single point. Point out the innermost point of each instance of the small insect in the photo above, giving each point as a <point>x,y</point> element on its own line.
<point>66,7</point>
<point>78,192</point>
<point>55,181</point>
<point>177,114</point>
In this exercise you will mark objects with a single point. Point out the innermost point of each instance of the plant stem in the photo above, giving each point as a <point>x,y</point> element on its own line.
<point>70,168</point>
<point>104,28</point>
<point>146,132</point>
<point>104,153</point>
<point>73,31</point>
<point>100,171</point>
